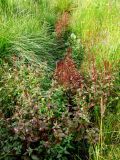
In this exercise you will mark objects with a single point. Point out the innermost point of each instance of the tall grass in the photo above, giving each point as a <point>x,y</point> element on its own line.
<point>25,28</point>
<point>96,22</point>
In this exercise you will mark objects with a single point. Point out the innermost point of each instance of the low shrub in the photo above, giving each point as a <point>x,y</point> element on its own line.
<point>49,123</point>
<point>33,117</point>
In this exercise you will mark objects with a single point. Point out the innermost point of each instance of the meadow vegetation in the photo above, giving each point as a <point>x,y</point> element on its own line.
<point>59,79</point>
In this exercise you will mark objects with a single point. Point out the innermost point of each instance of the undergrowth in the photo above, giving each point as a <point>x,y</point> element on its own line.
<point>60,78</point>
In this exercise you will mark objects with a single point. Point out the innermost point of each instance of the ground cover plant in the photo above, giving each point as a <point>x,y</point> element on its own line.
<point>59,80</point>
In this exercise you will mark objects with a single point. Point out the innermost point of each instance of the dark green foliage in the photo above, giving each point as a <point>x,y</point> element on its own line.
<point>36,119</point>
<point>31,115</point>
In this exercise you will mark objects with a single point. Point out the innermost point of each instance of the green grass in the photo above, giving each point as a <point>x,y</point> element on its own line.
<point>25,30</point>
<point>96,22</point>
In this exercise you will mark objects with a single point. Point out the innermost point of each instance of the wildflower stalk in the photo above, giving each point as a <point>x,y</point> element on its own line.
<point>102,107</point>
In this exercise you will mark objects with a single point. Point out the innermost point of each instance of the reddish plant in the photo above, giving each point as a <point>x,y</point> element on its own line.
<point>62,23</point>
<point>66,73</point>
<point>107,71</point>
<point>94,71</point>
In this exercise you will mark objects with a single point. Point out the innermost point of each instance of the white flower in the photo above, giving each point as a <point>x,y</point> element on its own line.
<point>73,36</point>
